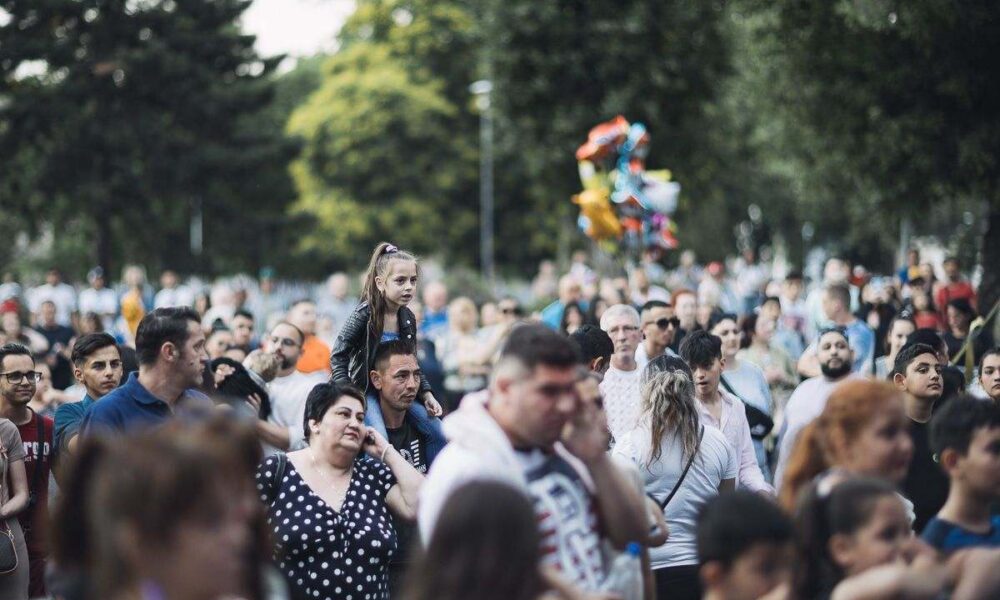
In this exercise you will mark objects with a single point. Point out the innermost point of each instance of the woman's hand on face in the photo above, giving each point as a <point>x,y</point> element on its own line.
<point>373,443</point>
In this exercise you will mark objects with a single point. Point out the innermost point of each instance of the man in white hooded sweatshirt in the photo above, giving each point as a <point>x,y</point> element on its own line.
<point>531,429</point>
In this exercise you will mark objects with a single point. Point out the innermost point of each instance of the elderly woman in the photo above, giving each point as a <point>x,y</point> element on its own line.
<point>329,504</point>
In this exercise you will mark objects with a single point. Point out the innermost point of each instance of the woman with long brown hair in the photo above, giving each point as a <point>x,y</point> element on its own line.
<point>862,431</point>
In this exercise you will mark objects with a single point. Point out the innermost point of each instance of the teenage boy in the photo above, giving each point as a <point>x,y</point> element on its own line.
<point>744,546</point>
<point>596,348</point>
<point>97,365</point>
<point>702,352</point>
<point>917,373</point>
<point>965,435</point>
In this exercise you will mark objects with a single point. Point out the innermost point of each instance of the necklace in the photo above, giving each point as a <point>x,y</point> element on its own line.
<point>339,496</point>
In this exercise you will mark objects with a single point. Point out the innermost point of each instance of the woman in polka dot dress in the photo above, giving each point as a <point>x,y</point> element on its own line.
<point>329,504</point>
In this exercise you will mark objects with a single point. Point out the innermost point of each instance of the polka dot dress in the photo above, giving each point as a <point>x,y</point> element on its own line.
<point>325,554</point>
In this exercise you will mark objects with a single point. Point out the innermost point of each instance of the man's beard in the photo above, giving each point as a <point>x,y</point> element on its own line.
<point>286,362</point>
<point>835,372</point>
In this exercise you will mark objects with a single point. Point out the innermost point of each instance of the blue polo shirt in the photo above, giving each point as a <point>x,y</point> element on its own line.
<point>68,419</point>
<point>132,407</point>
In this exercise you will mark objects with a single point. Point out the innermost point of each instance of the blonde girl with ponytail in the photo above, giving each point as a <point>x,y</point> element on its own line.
<point>390,284</point>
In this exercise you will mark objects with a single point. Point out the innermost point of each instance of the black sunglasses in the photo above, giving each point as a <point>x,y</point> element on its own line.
<point>664,323</point>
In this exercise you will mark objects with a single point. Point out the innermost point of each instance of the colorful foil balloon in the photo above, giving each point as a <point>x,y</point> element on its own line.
<point>612,167</point>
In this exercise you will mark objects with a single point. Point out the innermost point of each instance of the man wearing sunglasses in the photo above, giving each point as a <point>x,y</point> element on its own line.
<point>288,391</point>
<point>18,378</point>
<point>658,325</point>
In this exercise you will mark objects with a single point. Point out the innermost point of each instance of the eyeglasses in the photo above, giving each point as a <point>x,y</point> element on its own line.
<point>664,323</point>
<point>286,342</point>
<point>510,310</point>
<point>15,377</point>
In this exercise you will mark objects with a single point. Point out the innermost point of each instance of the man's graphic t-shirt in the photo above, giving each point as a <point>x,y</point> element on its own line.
<point>406,439</point>
<point>567,518</point>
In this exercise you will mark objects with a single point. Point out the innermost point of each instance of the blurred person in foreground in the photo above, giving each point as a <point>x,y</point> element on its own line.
<point>965,436</point>
<point>530,430</point>
<point>169,514</point>
<point>486,545</point>
<point>744,547</point>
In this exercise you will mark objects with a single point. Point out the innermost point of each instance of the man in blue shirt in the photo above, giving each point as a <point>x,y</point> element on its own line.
<point>170,348</point>
<point>837,308</point>
<point>97,365</point>
<point>965,436</point>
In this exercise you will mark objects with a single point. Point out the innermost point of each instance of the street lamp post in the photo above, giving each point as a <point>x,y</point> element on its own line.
<point>481,90</point>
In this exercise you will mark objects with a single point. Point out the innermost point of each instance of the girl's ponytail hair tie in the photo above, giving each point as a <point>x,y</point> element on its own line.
<point>390,249</point>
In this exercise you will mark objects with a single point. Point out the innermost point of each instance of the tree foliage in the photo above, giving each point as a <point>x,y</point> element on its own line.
<point>124,115</point>
<point>388,151</point>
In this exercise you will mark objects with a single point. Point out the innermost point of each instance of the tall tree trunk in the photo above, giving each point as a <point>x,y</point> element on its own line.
<point>103,242</point>
<point>989,288</point>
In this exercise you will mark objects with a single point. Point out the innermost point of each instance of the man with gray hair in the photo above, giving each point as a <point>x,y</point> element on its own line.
<point>621,383</point>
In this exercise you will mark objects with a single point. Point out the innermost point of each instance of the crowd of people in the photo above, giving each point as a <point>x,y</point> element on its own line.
<point>743,435</point>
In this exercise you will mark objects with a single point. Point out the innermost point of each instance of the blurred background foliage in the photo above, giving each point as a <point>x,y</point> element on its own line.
<point>121,120</point>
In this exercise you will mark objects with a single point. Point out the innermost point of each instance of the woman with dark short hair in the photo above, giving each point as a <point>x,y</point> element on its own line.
<point>329,504</point>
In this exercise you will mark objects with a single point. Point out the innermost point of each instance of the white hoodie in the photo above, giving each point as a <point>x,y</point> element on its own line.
<point>478,449</point>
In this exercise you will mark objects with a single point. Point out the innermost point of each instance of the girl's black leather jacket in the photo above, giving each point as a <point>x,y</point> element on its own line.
<point>353,355</point>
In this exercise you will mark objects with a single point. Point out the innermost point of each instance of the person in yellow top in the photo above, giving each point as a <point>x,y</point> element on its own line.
<point>315,353</point>
<point>133,305</point>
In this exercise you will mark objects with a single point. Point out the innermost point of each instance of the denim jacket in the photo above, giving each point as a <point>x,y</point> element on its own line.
<point>427,426</point>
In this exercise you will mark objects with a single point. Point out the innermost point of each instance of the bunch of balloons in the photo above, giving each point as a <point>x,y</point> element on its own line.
<point>621,201</point>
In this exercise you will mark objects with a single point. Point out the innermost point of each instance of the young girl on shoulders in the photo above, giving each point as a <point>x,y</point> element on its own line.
<point>383,315</point>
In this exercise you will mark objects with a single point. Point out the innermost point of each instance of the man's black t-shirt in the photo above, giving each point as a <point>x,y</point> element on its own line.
<point>925,485</point>
<point>407,440</point>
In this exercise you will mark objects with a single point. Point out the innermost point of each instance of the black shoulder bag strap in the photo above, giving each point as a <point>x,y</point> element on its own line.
<point>39,457</point>
<point>279,474</point>
<point>687,467</point>
<point>759,421</point>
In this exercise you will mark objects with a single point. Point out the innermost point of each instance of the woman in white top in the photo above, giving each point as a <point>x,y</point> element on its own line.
<point>742,378</point>
<point>668,438</point>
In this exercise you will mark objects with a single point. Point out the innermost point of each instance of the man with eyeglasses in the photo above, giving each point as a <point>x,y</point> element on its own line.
<point>658,325</point>
<point>288,391</point>
<point>17,386</point>
<point>621,382</point>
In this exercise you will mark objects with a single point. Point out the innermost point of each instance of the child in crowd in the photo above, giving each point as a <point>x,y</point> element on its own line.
<point>383,315</point>
<point>854,542</point>
<point>965,436</point>
<point>745,547</point>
